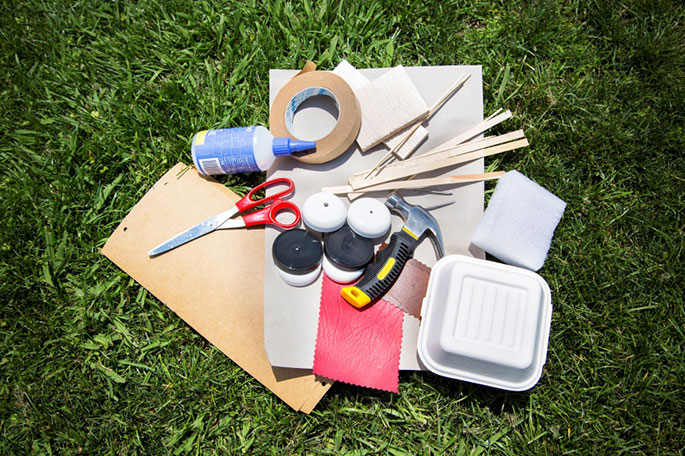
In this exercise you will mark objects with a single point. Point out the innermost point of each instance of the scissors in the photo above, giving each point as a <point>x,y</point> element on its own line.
<point>225,221</point>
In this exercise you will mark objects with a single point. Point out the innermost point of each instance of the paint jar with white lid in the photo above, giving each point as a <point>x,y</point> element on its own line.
<point>346,255</point>
<point>297,255</point>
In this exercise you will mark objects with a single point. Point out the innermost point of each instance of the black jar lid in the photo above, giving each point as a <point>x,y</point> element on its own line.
<point>297,251</point>
<point>348,250</point>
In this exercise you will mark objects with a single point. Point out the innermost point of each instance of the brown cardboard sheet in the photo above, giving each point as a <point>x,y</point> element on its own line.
<point>214,283</point>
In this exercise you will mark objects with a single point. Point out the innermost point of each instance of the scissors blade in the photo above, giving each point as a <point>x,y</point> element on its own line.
<point>195,232</point>
<point>238,222</point>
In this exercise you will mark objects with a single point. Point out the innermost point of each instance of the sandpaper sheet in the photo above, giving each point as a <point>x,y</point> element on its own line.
<point>358,346</point>
<point>214,283</point>
<point>408,292</point>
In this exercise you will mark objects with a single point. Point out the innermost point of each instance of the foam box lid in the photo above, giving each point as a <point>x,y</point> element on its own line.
<point>485,322</point>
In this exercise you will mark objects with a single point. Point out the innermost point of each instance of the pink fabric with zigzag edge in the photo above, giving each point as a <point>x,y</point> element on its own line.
<point>358,346</point>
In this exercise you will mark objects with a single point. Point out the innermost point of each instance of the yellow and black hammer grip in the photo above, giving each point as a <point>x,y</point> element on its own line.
<point>384,271</point>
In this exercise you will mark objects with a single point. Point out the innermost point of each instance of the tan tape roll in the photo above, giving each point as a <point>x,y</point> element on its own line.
<point>307,84</point>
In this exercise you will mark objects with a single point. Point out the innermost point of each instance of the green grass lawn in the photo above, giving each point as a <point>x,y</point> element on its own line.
<point>99,99</point>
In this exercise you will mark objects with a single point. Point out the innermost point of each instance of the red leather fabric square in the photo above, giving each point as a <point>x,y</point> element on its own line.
<point>358,346</point>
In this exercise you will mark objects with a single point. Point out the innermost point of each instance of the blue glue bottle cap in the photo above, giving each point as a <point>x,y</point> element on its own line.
<point>287,146</point>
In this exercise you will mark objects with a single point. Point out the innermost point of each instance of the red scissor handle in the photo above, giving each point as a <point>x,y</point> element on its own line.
<point>268,215</point>
<point>246,202</point>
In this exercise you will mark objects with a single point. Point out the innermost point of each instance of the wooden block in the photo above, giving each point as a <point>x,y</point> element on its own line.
<point>352,76</point>
<point>395,150</point>
<point>389,104</point>
<point>356,80</point>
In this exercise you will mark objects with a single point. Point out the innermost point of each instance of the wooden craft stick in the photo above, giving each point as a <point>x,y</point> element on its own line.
<point>491,116</point>
<point>488,123</point>
<point>436,106</point>
<point>433,164</point>
<point>471,133</point>
<point>357,180</point>
<point>494,114</point>
<point>417,183</point>
<point>352,196</point>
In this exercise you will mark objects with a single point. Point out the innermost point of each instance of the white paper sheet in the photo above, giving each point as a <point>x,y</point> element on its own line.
<point>291,314</point>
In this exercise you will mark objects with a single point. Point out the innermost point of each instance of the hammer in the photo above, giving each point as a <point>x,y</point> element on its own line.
<point>380,275</point>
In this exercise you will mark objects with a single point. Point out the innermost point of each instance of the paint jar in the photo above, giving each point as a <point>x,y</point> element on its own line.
<point>297,254</point>
<point>346,255</point>
<point>241,150</point>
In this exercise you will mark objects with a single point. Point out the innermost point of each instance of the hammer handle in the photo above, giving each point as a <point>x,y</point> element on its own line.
<point>380,275</point>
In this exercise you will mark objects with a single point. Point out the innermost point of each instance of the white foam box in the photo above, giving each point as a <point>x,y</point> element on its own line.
<point>486,323</point>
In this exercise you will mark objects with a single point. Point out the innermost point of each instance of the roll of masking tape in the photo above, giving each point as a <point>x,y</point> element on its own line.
<point>308,84</point>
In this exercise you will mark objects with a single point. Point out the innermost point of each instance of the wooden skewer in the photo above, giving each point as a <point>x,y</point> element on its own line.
<point>413,184</point>
<point>393,152</point>
<point>426,161</point>
<point>448,93</point>
<point>444,162</point>
<point>436,106</point>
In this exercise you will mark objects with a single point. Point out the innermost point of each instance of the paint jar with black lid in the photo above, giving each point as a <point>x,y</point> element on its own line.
<point>297,254</point>
<point>346,255</point>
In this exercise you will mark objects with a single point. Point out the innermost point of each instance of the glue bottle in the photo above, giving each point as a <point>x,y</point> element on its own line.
<point>241,150</point>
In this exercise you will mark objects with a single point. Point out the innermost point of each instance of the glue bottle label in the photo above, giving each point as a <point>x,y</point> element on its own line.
<point>225,151</point>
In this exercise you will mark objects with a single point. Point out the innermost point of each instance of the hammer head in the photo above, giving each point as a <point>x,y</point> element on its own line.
<point>417,221</point>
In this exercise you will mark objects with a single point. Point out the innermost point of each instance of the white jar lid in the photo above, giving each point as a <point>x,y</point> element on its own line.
<point>324,212</point>
<point>369,218</point>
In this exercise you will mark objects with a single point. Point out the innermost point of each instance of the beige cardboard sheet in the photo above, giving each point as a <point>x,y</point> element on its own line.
<point>291,314</point>
<point>214,283</point>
